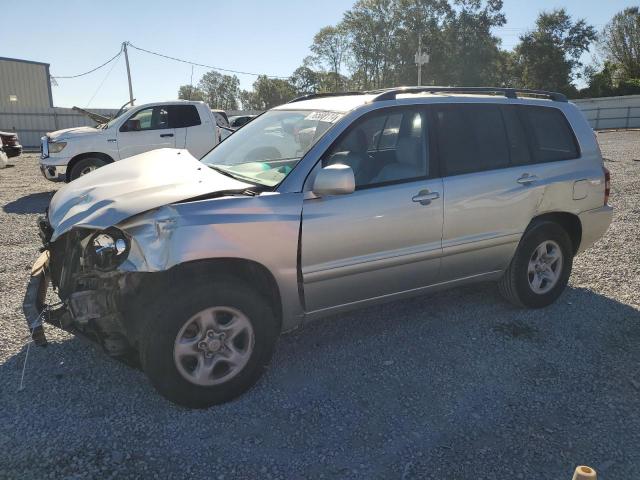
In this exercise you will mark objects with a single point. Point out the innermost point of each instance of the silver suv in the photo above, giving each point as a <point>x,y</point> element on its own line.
<point>322,205</point>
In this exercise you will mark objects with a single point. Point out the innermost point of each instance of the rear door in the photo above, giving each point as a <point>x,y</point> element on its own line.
<point>192,132</point>
<point>492,186</point>
<point>384,238</point>
<point>151,130</point>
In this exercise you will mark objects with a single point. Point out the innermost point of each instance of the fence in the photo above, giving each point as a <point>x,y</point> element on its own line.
<point>611,112</point>
<point>31,124</point>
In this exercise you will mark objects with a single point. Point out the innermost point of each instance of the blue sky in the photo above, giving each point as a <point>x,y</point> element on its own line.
<point>261,36</point>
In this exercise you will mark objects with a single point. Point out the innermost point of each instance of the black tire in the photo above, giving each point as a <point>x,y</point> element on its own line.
<point>514,285</point>
<point>170,314</point>
<point>81,167</point>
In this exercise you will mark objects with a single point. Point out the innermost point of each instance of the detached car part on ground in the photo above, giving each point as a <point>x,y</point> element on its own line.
<point>316,207</point>
<point>10,143</point>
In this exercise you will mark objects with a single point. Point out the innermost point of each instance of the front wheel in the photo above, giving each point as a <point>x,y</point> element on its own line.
<point>208,344</point>
<point>540,268</point>
<point>85,166</point>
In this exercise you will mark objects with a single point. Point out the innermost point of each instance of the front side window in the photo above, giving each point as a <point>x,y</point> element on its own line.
<point>153,118</point>
<point>471,138</point>
<point>387,146</point>
<point>266,149</point>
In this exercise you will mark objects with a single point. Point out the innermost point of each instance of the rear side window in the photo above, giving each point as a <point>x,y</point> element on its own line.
<point>182,116</point>
<point>471,138</point>
<point>516,136</point>
<point>552,137</point>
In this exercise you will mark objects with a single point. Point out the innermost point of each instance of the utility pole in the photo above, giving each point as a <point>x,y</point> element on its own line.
<point>421,59</point>
<point>126,59</point>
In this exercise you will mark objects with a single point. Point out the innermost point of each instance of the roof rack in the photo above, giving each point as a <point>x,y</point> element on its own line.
<point>311,96</point>
<point>392,93</point>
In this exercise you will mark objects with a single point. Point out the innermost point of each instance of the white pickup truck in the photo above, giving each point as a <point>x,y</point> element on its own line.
<point>68,154</point>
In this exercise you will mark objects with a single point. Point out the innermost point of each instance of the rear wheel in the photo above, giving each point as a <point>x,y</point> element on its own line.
<point>85,166</point>
<point>540,268</point>
<point>208,344</point>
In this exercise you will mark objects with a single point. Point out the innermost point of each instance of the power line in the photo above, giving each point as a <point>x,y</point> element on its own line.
<point>103,80</point>
<point>93,69</point>
<point>202,64</point>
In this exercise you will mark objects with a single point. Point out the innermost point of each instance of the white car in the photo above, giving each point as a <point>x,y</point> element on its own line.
<point>73,152</point>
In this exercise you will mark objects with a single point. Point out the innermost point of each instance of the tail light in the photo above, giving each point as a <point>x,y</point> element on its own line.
<point>607,184</point>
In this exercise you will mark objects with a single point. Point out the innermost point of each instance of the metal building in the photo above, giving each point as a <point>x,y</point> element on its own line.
<point>26,103</point>
<point>24,84</point>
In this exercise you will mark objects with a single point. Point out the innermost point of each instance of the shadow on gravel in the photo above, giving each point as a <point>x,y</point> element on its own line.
<point>458,383</point>
<point>32,203</point>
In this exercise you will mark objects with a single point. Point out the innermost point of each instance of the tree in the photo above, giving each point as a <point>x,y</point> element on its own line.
<point>384,37</point>
<point>420,19</point>
<point>189,92</point>
<point>305,80</point>
<point>329,46</point>
<point>471,51</point>
<point>267,93</point>
<point>220,91</point>
<point>370,27</point>
<point>620,41</point>
<point>549,56</point>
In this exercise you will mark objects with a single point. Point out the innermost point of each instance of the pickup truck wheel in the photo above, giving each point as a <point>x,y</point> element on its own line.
<point>86,165</point>
<point>540,268</point>
<point>208,344</point>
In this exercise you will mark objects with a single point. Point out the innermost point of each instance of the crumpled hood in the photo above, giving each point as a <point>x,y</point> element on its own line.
<point>72,132</point>
<point>117,191</point>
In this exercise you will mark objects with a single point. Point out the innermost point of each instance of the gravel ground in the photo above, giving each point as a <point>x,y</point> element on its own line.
<point>451,386</point>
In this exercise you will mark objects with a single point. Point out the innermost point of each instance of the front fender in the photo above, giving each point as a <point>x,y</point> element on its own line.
<point>262,229</point>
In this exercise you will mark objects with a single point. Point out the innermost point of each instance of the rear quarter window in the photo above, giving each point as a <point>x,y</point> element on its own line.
<point>182,116</point>
<point>551,135</point>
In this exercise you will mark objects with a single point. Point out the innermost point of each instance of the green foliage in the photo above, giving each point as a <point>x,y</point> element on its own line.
<point>220,91</point>
<point>375,43</point>
<point>189,92</point>
<point>548,57</point>
<point>267,93</point>
<point>330,46</point>
<point>620,40</point>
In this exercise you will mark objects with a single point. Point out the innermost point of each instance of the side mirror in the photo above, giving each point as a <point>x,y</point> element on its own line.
<point>131,126</point>
<point>335,179</point>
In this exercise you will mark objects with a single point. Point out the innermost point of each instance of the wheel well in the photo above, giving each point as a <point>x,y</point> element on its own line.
<point>252,273</point>
<point>568,221</point>
<point>77,158</point>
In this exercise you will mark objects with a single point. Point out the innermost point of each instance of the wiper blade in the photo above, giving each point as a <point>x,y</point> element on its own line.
<point>223,171</point>
<point>236,176</point>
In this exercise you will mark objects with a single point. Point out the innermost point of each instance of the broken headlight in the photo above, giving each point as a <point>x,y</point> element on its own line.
<point>107,249</point>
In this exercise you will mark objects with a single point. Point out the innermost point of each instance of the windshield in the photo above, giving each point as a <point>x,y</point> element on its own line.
<point>265,150</point>
<point>113,120</point>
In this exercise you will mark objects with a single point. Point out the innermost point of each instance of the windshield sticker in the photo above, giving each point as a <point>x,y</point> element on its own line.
<point>329,117</point>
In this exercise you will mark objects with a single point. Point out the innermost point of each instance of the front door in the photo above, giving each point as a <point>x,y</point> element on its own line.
<point>147,129</point>
<point>384,238</point>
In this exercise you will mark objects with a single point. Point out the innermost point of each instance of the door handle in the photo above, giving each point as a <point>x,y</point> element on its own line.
<point>166,135</point>
<point>527,179</point>
<point>424,197</point>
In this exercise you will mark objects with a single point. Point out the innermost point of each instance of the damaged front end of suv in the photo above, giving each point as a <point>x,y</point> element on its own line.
<point>82,267</point>
<point>106,246</point>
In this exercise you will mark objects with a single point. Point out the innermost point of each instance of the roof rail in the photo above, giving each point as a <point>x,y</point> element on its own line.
<point>392,93</point>
<point>310,96</point>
